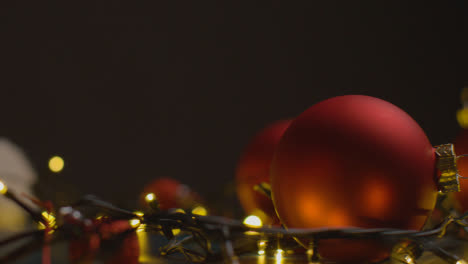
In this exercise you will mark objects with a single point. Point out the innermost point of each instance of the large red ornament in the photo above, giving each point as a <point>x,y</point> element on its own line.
<point>254,168</point>
<point>354,161</point>
<point>170,194</point>
<point>461,148</point>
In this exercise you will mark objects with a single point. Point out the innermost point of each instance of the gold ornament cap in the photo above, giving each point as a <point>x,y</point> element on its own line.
<point>446,163</point>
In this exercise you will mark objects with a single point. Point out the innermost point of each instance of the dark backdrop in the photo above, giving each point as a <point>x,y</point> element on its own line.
<point>127,91</point>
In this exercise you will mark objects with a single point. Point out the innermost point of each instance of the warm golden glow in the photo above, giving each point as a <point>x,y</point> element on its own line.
<point>3,188</point>
<point>262,244</point>
<point>461,261</point>
<point>56,164</point>
<point>144,246</point>
<point>134,222</point>
<point>150,197</point>
<point>49,218</point>
<point>462,117</point>
<point>179,210</point>
<point>138,213</point>
<point>175,232</point>
<point>279,256</point>
<point>199,210</point>
<point>141,228</point>
<point>409,259</point>
<point>253,221</point>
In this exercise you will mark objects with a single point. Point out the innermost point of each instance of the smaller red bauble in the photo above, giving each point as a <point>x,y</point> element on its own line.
<point>461,147</point>
<point>254,168</point>
<point>116,240</point>
<point>171,194</point>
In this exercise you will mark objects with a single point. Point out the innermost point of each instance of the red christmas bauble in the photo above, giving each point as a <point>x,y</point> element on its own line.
<point>254,168</point>
<point>461,147</point>
<point>115,239</point>
<point>170,194</point>
<point>354,161</point>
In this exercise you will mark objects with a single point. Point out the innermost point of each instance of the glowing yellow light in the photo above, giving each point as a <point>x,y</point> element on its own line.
<point>279,256</point>
<point>50,219</point>
<point>409,259</point>
<point>262,244</point>
<point>199,210</point>
<point>144,246</point>
<point>175,232</point>
<point>461,261</point>
<point>3,188</point>
<point>462,117</point>
<point>56,164</point>
<point>134,223</point>
<point>138,213</point>
<point>253,221</point>
<point>150,197</point>
<point>141,228</point>
<point>179,210</point>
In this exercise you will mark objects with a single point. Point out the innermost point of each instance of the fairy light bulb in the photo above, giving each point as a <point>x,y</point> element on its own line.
<point>56,164</point>
<point>3,188</point>
<point>409,259</point>
<point>262,244</point>
<point>253,221</point>
<point>199,210</point>
<point>150,197</point>
<point>134,222</point>
<point>138,213</point>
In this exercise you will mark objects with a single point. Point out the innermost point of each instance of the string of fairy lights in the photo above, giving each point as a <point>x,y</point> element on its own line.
<point>237,238</point>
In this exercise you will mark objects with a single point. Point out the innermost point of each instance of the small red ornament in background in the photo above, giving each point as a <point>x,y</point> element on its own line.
<point>170,194</point>
<point>116,240</point>
<point>461,148</point>
<point>254,168</point>
<point>354,161</point>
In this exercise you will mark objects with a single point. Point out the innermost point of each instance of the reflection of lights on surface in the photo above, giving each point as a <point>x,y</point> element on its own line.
<point>251,233</point>
<point>150,197</point>
<point>199,210</point>
<point>143,244</point>
<point>134,223</point>
<point>262,244</point>
<point>56,164</point>
<point>461,261</point>
<point>261,259</point>
<point>3,188</point>
<point>252,221</point>
<point>279,256</point>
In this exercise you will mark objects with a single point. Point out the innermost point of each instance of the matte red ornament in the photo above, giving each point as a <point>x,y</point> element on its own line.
<point>170,194</point>
<point>354,161</point>
<point>254,168</point>
<point>116,240</point>
<point>461,148</point>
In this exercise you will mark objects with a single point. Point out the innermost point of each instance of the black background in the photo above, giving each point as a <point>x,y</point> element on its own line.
<point>127,91</point>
